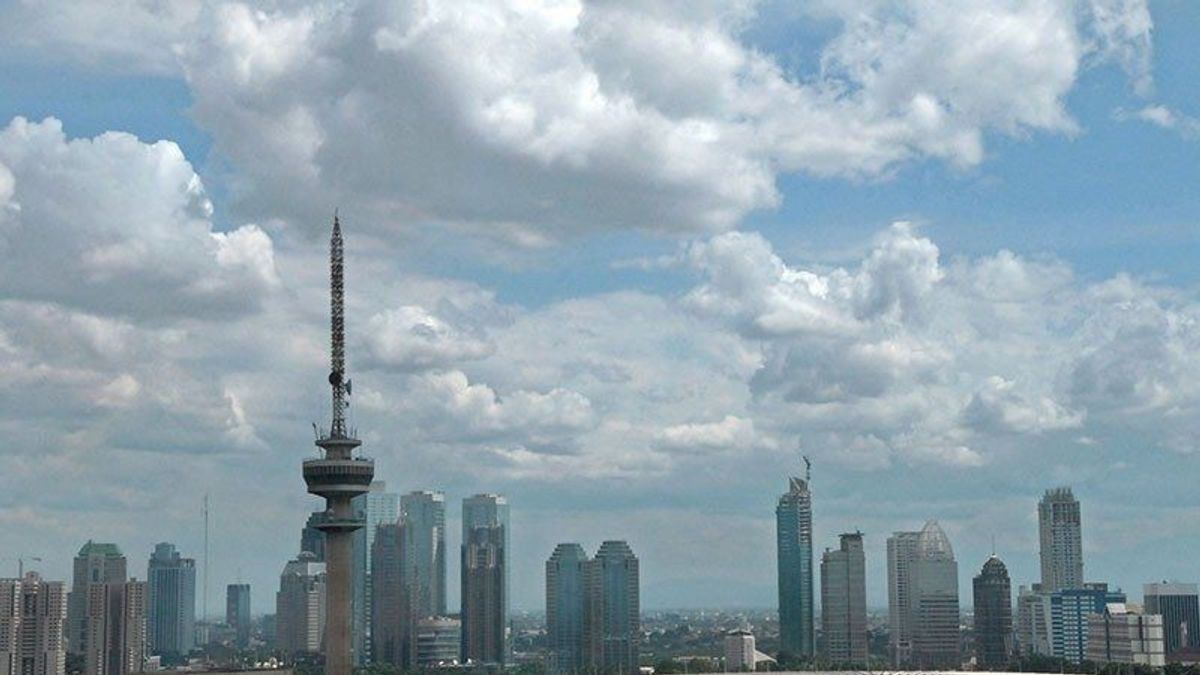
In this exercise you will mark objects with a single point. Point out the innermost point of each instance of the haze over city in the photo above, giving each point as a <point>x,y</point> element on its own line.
<point>624,270</point>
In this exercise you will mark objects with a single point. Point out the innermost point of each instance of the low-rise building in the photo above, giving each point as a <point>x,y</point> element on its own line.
<point>1124,634</point>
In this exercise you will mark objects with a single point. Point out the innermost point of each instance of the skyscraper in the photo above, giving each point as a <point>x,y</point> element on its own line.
<point>391,617</point>
<point>424,515</point>
<point>312,539</point>
<point>1180,609</point>
<point>993,616</point>
<point>116,628</point>
<point>793,529</point>
<point>565,596</point>
<point>376,507</point>
<point>32,617</point>
<point>300,606</point>
<point>484,625</point>
<point>95,563</point>
<point>902,555</point>
<point>171,589</point>
<point>484,569</point>
<point>237,612</point>
<point>739,651</point>
<point>339,477</point>
<point>844,601</point>
<point>1061,540</point>
<point>1069,610</point>
<point>935,601</point>
<point>612,613</point>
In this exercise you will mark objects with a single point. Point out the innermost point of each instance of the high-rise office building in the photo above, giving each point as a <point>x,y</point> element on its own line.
<point>312,539</point>
<point>32,617</point>
<point>171,594</point>
<point>424,515</point>
<point>95,563</point>
<point>793,529</point>
<point>237,612</point>
<point>1179,607</point>
<point>300,606</point>
<point>484,625</point>
<point>612,611</point>
<point>1061,540</point>
<point>935,601</point>
<point>901,556</point>
<point>1069,610</point>
<point>390,608</point>
<point>739,651</point>
<point>484,572</point>
<point>993,616</point>
<point>844,601</point>
<point>1121,634</point>
<point>376,507</point>
<point>565,599</point>
<point>1033,622</point>
<point>115,620</point>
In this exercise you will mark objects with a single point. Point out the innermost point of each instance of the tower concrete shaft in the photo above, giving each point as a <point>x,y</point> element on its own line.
<point>339,477</point>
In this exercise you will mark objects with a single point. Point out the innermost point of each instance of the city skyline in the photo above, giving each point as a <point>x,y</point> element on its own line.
<point>619,272</point>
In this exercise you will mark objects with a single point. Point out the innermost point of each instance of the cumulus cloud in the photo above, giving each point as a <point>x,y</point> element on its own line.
<point>120,226</point>
<point>730,433</point>
<point>411,338</point>
<point>616,115</point>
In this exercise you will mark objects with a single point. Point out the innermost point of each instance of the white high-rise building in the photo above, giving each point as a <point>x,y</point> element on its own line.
<point>1061,540</point>
<point>901,556</point>
<point>33,614</point>
<point>739,651</point>
<point>935,601</point>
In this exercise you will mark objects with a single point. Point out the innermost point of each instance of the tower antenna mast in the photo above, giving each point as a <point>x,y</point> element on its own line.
<point>337,333</point>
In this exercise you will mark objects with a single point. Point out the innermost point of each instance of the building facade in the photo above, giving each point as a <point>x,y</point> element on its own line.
<point>1061,539</point>
<point>793,530</point>
<point>96,563</point>
<point>237,612</point>
<point>312,539</point>
<point>612,611</point>
<point>1120,634</point>
<point>901,556</point>
<point>171,594</point>
<point>438,639</point>
<point>1033,622</point>
<point>1069,610</point>
<point>390,614</point>
<point>739,651</point>
<point>993,616</point>
<point>935,639</point>
<point>424,516</point>
<point>376,507</point>
<point>33,616</point>
<point>565,600</point>
<point>115,620</point>
<point>300,606</point>
<point>1179,607</point>
<point>844,601</point>
<point>484,574</point>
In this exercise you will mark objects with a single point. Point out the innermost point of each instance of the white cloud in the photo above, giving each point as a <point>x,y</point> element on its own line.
<point>121,226</point>
<point>617,115</point>
<point>411,338</point>
<point>1168,118</point>
<point>730,433</point>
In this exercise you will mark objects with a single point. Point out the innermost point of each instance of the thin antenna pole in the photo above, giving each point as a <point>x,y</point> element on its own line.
<point>337,330</point>
<point>204,603</point>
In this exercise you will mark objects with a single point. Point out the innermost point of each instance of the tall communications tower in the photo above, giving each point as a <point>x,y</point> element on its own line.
<point>339,476</point>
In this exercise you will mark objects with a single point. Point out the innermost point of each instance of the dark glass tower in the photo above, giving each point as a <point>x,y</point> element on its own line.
<point>793,528</point>
<point>993,616</point>
<point>565,594</point>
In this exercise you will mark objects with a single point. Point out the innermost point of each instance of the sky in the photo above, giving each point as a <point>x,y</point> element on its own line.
<point>622,262</point>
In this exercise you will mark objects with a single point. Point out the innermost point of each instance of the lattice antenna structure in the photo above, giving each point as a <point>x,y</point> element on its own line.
<point>337,330</point>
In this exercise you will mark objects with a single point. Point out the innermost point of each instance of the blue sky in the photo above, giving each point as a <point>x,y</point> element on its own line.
<point>619,270</point>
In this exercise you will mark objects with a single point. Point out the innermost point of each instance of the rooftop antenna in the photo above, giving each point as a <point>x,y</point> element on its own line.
<point>807,469</point>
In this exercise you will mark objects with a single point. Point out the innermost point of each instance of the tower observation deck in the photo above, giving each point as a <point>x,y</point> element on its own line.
<point>338,476</point>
